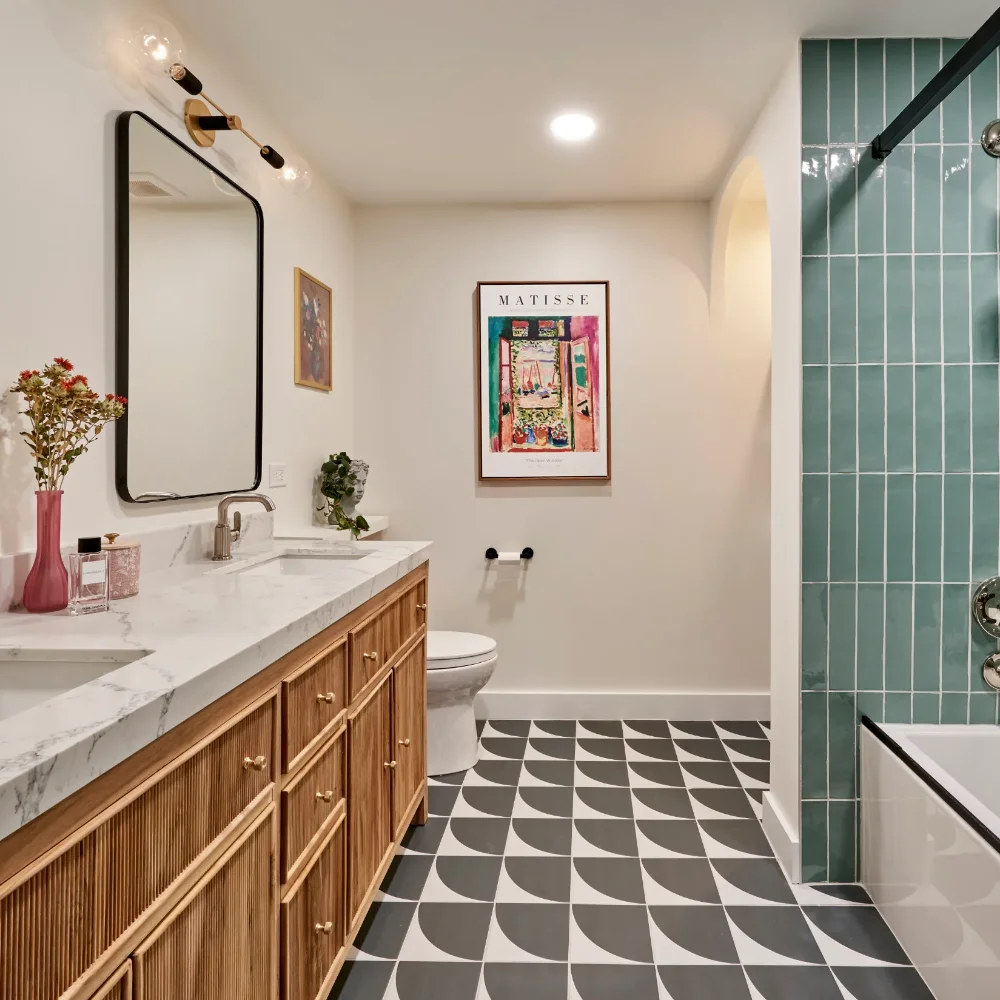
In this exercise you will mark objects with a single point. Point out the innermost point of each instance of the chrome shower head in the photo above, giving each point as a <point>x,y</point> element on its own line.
<point>991,139</point>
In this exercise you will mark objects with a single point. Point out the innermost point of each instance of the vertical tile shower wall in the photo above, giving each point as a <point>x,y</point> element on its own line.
<point>900,420</point>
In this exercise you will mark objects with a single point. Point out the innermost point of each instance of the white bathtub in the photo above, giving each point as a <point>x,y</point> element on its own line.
<point>930,849</point>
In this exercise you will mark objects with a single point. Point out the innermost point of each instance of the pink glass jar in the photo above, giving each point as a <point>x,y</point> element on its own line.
<point>123,566</point>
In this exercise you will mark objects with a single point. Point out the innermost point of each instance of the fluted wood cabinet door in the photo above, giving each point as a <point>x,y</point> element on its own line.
<point>369,819</point>
<point>409,724</point>
<point>313,921</point>
<point>220,943</point>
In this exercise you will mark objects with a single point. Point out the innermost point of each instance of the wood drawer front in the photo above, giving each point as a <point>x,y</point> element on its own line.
<point>307,803</point>
<point>118,987</point>
<point>312,700</point>
<point>313,921</point>
<point>72,907</point>
<point>218,943</point>
<point>366,640</point>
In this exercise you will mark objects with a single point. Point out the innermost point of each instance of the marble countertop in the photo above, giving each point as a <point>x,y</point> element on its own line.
<point>200,630</point>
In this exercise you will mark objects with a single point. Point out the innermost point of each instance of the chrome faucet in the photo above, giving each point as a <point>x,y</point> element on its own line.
<point>224,535</point>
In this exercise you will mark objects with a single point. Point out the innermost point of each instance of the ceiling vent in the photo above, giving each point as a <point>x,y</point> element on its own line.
<point>150,186</point>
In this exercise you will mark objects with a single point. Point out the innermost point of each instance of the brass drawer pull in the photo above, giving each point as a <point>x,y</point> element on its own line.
<point>326,796</point>
<point>404,743</point>
<point>373,656</point>
<point>421,607</point>
<point>257,763</point>
<point>330,697</point>
<point>326,928</point>
<point>390,764</point>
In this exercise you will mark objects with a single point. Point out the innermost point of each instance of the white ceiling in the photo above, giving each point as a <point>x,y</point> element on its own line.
<point>449,100</point>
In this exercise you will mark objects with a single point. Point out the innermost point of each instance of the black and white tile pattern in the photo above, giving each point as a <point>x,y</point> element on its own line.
<point>613,861</point>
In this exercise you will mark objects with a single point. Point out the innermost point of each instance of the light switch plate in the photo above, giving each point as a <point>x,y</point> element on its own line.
<point>276,475</point>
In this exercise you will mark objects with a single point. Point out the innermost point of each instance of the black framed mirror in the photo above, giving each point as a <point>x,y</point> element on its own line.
<point>189,321</point>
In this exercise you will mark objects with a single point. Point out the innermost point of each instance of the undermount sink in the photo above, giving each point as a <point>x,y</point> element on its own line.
<point>301,564</point>
<point>31,678</point>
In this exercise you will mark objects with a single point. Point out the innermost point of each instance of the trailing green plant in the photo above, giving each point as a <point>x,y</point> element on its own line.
<point>337,483</point>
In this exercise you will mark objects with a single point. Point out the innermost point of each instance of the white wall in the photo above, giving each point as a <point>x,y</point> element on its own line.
<point>652,583</point>
<point>57,268</point>
<point>774,143</point>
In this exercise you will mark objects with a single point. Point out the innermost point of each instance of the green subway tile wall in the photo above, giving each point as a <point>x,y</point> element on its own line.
<point>901,422</point>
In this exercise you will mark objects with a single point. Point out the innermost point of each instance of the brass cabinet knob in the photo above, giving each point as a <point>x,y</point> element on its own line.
<point>257,763</point>
<point>326,928</point>
<point>421,607</point>
<point>326,796</point>
<point>404,743</point>
<point>329,697</point>
<point>390,764</point>
<point>371,656</point>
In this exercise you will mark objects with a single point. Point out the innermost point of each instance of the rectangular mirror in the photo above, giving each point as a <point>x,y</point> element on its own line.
<point>189,321</point>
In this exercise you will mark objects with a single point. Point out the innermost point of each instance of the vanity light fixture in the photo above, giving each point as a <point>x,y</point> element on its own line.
<point>158,50</point>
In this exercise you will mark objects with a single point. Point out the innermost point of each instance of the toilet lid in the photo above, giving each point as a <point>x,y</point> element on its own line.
<point>458,649</point>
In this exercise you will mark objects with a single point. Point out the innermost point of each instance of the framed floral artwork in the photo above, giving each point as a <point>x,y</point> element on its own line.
<point>543,371</point>
<point>313,332</point>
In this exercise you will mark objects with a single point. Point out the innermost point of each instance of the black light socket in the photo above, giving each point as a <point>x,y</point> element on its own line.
<point>219,123</point>
<point>88,545</point>
<point>271,156</point>
<point>183,77</point>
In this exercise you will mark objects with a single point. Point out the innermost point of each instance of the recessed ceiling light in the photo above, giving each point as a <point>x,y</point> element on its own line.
<point>573,127</point>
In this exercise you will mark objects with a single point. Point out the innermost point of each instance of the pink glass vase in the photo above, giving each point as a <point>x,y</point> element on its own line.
<point>47,585</point>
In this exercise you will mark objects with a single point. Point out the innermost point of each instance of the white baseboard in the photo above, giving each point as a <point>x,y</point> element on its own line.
<point>784,842</point>
<point>732,706</point>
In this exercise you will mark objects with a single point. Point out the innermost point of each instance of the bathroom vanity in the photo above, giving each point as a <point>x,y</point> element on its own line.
<point>246,807</point>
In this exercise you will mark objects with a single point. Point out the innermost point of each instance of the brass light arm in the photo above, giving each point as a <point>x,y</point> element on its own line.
<point>202,127</point>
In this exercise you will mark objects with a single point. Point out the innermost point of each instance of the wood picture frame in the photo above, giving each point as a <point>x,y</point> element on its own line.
<point>543,391</point>
<point>313,344</point>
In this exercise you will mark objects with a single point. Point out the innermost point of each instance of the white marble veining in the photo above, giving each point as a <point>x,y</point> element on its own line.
<point>208,629</point>
<point>163,549</point>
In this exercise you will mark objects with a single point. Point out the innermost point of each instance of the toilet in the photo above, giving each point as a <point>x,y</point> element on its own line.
<point>458,665</point>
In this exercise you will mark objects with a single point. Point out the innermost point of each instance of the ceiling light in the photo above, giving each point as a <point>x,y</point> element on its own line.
<point>573,127</point>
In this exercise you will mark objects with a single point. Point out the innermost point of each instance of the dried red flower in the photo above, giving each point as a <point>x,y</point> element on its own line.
<point>26,374</point>
<point>63,363</point>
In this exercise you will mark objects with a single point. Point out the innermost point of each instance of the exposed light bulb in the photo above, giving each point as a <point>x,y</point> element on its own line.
<point>574,126</point>
<point>155,44</point>
<point>294,175</point>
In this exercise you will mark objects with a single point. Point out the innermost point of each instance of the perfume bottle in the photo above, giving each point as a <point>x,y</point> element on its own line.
<point>88,578</point>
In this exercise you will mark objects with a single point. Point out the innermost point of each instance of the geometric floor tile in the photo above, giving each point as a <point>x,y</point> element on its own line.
<point>512,981</point>
<point>607,860</point>
<point>882,984</point>
<point>691,935</point>
<point>854,935</point>
<point>794,982</point>
<point>777,934</point>
<point>383,930</point>
<point>433,980</point>
<point>607,933</point>
<point>613,982</point>
<point>700,982</point>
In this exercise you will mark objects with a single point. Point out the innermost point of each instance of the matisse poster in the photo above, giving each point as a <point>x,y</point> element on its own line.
<point>543,381</point>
